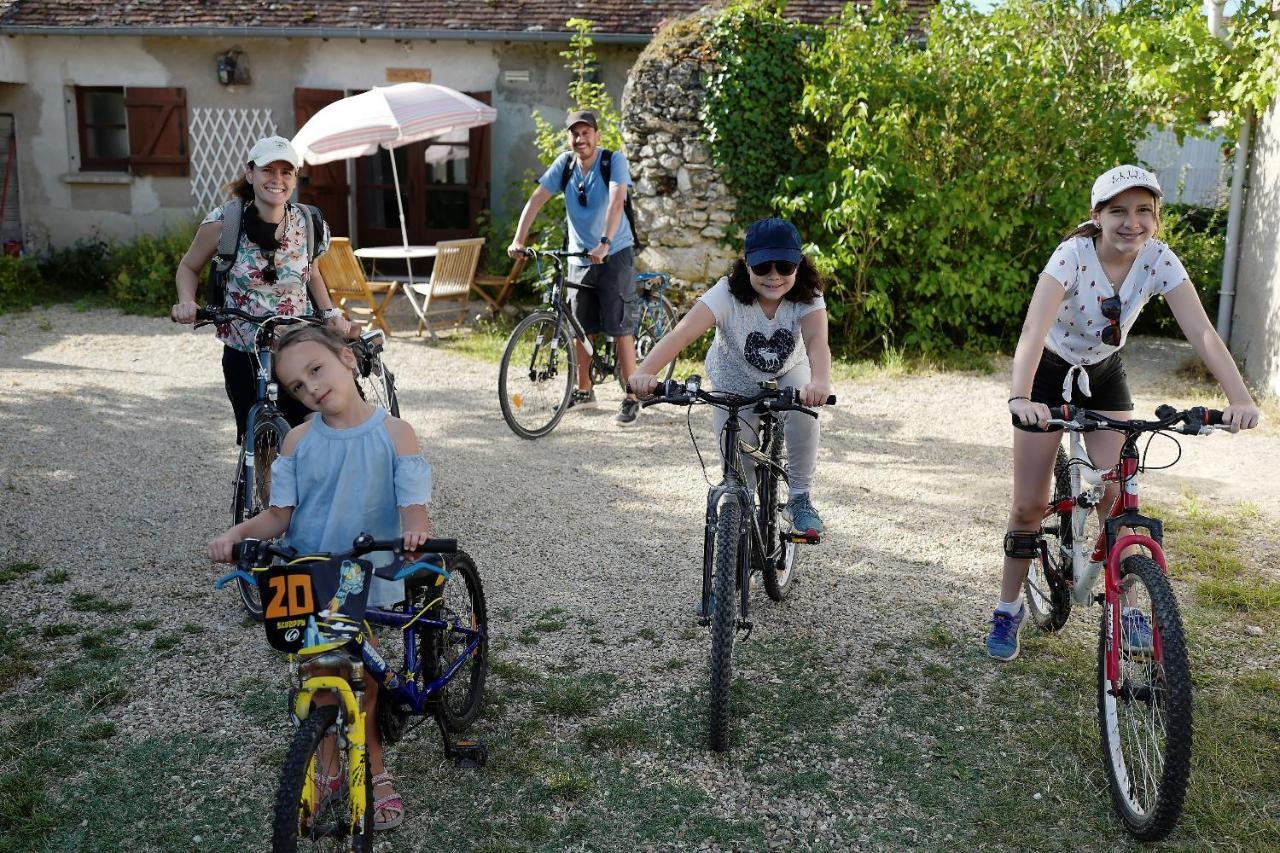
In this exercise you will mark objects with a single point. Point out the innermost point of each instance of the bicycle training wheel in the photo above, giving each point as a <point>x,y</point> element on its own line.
<point>1146,719</point>
<point>313,809</point>
<point>1047,587</point>
<point>778,565</point>
<point>537,375</point>
<point>657,318</point>
<point>377,383</point>
<point>722,609</point>
<point>268,438</point>
<point>458,601</point>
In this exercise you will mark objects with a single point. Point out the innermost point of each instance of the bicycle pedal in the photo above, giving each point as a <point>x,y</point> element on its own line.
<point>804,539</point>
<point>469,755</point>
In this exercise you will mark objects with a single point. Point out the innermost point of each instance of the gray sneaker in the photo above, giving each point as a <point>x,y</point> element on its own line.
<point>628,414</point>
<point>582,399</point>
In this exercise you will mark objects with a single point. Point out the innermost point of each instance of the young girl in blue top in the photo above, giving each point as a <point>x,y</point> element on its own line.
<point>351,469</point>
<point>771,323</point>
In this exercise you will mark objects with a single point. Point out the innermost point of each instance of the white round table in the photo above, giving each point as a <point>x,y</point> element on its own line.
<point>395,253</point>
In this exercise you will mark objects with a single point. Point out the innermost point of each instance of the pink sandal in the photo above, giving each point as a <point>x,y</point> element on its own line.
<point>390,803</point>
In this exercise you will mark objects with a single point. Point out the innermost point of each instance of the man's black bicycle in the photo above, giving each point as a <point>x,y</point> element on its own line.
<point>745,532</point>
<point>540,363</point>
<point>265,427</point>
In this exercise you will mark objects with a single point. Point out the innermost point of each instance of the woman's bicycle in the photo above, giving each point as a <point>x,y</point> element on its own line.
<point>316,610</point>
<point>265,426</point>
<point>540,363</point>
<point>746,531</point>
<point>1144,680</point>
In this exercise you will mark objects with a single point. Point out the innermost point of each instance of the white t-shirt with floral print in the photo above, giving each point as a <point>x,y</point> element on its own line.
<point>246,288</point>
<point>1076,335</point>
<point>749,347</point>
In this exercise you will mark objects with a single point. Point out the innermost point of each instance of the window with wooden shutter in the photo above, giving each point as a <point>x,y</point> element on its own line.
<point>104,136</point>
<point>158,131</point>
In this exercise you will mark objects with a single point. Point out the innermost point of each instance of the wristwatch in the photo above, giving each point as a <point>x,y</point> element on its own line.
<point>604,240</point>
<point>330,313</point>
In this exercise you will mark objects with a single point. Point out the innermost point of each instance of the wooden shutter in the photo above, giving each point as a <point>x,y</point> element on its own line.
<point>158,131</point>
<point>478,191</point>
<point>325,185</point>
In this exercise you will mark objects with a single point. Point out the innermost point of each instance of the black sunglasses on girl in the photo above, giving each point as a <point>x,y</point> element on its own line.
<point>783,268</point>
<point>1111,311</point>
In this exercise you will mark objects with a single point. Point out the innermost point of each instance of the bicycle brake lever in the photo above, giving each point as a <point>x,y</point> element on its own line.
<point>239,574</point>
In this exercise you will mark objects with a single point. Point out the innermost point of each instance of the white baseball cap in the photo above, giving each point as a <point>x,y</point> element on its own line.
<point>273,148</point>
<point>1115,181</point>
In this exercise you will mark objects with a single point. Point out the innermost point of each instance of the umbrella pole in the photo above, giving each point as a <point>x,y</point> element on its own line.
<point>404,233</point>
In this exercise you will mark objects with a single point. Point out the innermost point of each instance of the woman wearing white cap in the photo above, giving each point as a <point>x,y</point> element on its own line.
<point>273,272</point>
<point>1088,297</point>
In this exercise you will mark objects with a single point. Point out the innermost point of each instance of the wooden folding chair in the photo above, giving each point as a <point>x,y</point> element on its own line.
<point>502,284</point>
<point>345,279</point>
<point>452,278</point>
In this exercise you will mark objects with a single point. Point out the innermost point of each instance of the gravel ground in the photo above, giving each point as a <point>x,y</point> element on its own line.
<point>119,447</point>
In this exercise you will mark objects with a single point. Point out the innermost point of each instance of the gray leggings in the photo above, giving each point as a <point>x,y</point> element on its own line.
<point>800,431</point>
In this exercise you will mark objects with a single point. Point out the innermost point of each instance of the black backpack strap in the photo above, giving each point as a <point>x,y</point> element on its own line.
<point>225,255</point>
<point>566,170</point>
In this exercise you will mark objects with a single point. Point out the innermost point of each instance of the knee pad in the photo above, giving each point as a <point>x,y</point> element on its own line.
<point>1022,544</point>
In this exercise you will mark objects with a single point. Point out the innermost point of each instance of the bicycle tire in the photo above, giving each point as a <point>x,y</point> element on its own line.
<point>268,438</point>
<point>654,322</point>
<point>537,375</point>
<point>1154,699</point>
<point>778,564</point>
<point>722,609</point>
<point>459,702</point>
<point>1047,588</point>
<point>293,825</point>
<point>377,384</point>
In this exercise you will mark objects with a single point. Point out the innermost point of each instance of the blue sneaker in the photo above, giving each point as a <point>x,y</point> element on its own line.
<point>802,517</point>
<point>1002,639</point>
<point>1135,632</point>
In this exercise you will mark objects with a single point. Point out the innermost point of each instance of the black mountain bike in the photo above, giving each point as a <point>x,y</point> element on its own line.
<point>540,363</point>
<point>745,532</point>
<point>265,427</point>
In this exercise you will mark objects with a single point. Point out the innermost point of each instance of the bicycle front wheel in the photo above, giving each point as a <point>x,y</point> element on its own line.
<point>314,808</point>
<point>268,438</point>
<point>657,318</point>
<point>722,609</point>
<point>1047,587</point>
<point>377,383</point>
<point>1146,717</point>
<point>779,562</point>
<point>537,375</point>
<point>458,601</point>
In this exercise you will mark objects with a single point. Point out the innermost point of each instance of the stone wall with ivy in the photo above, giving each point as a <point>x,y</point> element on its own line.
<point>682,206</point>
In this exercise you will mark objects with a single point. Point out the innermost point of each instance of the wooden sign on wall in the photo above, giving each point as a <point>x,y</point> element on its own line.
<point>408,75</point>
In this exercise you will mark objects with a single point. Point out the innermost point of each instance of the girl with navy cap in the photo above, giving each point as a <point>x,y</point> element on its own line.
<point>771,324</point>
<point>1088,297</point>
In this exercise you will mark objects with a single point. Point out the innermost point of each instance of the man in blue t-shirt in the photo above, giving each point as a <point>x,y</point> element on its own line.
<point>598,227</point>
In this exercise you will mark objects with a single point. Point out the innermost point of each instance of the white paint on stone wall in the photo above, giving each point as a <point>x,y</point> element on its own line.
<point>1255,331</point>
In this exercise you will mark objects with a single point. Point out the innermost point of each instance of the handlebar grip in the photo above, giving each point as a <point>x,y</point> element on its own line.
<point>431,546</point>
<point>831,401</point>
<point>247,548</point>
<point>1213,417</point>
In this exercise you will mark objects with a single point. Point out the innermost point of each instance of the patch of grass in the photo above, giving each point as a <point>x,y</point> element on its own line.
<point>644,634</point>
<point>528,638</point>
<point>59,629</point>
<point>575,697</point>
<point>511,671</point>
<point>536,827</point>
<point>95,603</point>
<point>938,637</point>
<point>166,641</point>
<point>1204,547</point>
<point>146,624</point>
<point>1249,596</point>
<point>15,658</point>
<point>548,625</point>
<point>261,701</point>
<point>626,733</point>
<point>57,576</point>
<point>97,731</point>
<point>567,785</point>
<point>13,571</point>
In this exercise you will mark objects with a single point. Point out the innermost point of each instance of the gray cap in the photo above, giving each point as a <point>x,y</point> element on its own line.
<point>581,117</point>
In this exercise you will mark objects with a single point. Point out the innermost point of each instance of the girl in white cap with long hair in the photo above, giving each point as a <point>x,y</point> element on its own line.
<point>1089,295</point>
<point>272,273</point>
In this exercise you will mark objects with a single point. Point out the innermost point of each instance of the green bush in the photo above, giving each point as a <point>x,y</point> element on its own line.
<point>20,283</point>
<point>1198,235</point>
<point>142,280</point>
<point>81,269</point>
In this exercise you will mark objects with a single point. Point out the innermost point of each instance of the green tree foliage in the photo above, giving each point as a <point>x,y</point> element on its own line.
<point>143,270</point>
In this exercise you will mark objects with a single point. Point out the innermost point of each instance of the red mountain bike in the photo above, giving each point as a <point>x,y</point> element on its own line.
<point>1144,681</point>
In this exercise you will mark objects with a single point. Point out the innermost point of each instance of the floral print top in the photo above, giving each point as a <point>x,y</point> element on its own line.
<point>250,292</point>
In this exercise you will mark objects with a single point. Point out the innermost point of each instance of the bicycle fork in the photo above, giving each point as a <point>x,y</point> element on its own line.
<point>735,492</point>
<point>354,732</point>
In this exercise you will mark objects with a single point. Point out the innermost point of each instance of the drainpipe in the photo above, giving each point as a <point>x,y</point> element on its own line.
<point>1240,173</point>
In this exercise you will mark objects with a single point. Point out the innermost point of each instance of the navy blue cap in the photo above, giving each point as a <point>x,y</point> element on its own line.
<point>773,240</point>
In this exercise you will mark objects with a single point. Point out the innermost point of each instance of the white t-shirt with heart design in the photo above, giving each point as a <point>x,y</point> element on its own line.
<point>1076,335</point>
<point>749,347</point>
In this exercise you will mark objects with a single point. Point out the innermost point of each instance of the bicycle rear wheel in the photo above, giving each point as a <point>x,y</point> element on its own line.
<point>1047,587</point>
<point>375,380</point>
<point>657,318</point>
<point>457,600</point>
<point>537,375</point>
<point>779,562</point>
<point>313,808</point>
<point>722,609</point>
<point>268,438</point>
<point>1146,720</point>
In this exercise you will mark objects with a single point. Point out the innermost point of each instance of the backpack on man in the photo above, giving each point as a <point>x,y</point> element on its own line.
<point>229,244</point>
<point>606,169</point>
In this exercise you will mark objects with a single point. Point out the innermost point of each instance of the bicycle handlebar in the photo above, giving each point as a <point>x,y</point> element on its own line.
<point>212,314</point>
<point>257,550</point>
<point>690,391</point>
<point>1196,420</point>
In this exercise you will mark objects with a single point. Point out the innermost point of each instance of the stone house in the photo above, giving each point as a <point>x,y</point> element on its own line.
<point>120,118</point>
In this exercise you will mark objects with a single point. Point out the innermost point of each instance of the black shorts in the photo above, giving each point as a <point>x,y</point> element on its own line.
<point>240,377</point>
<point>1107,381</point>
<point>609,303</point>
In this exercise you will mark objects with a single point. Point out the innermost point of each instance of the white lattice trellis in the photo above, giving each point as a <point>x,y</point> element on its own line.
<point>220,143</point>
